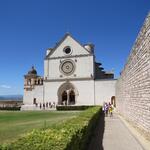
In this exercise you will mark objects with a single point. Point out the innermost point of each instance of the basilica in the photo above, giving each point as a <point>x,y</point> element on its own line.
<point>71,77</point>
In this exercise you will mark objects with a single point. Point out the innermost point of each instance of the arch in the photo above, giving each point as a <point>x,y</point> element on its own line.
<point>64,98</point>
<point>35,82</point>
<point>72,97</point>
<point>34,100</point>
<point>29,82</point>
<point>38,81</point>
<point>71,91</point>
<point>113,101</point>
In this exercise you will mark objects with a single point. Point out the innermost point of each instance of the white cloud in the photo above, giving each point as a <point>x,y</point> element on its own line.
<point>5,86</point>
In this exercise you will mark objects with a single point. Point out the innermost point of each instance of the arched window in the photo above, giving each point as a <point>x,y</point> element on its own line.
<point>29,81</point>
<point>42,81</point>
<point>38,82</point>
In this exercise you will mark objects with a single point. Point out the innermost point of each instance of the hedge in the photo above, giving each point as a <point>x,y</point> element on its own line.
<point>10,108</point>
<point>82,107</point>
<point>73,134</point>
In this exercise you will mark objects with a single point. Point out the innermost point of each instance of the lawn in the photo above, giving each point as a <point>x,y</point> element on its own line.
<point>14,124</point>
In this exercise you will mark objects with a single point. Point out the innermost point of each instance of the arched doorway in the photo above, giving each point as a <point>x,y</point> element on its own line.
<point>71,98</point>
<point>34,101</point>
<point>64,98</point>
<point>113,101</point>
<point>67,94</point>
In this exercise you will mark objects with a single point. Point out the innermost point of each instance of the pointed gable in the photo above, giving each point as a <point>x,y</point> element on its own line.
<point>67,42</point>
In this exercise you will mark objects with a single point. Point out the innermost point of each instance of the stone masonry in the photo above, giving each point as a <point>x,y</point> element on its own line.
<point>133,86</point>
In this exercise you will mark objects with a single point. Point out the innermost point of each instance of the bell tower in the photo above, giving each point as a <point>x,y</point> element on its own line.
<point>31,79</point>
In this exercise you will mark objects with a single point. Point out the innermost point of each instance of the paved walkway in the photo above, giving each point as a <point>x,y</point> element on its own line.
<point>112,134</point>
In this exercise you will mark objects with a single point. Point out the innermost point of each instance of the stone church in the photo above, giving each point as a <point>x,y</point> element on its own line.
<point>71,77</point>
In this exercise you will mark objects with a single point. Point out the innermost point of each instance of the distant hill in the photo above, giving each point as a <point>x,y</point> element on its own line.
<point>11,97</point>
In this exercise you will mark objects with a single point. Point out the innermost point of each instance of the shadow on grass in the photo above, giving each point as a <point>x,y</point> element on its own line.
<point>97,137</point>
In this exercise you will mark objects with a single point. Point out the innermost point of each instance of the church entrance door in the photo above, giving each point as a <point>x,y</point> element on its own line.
<point>68,97</point>
<point>64,98</point>
<point>71,98</point>
<point>67,94</point>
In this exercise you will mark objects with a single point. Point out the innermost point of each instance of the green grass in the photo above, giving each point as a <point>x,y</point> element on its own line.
<point>14,124</point>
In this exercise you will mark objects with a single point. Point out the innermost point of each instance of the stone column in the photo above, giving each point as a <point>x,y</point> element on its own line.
<point>32,81</point>
<point>68,97</point>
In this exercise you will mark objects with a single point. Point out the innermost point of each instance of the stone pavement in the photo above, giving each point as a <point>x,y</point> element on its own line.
<point>112,134</point>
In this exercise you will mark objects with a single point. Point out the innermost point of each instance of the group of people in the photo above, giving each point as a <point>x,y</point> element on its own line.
<point>108,109</point>
<point>46,105</point>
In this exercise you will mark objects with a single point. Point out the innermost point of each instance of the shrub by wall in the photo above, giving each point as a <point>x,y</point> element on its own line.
<point>83,107</point>
<point>73,134</point>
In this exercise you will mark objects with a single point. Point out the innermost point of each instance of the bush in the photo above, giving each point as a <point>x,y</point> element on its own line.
<point>10,108</point>
<point>73,134</point>
<point>83,107</point>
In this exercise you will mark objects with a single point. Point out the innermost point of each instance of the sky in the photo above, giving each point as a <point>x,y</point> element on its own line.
<point>29,27</point>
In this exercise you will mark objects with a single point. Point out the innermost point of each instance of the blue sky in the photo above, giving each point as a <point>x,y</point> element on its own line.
<point>29,27</point>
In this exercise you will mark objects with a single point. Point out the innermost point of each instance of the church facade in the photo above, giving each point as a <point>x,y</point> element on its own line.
<point>71,77</point>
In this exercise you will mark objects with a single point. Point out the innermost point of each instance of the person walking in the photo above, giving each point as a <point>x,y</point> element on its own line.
<point>105,108</point>
<point>40,105</point>
<point>111,110</point>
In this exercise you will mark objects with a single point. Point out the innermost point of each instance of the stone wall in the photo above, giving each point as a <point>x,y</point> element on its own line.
<point>104,90</point>
<point>133,86</point>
